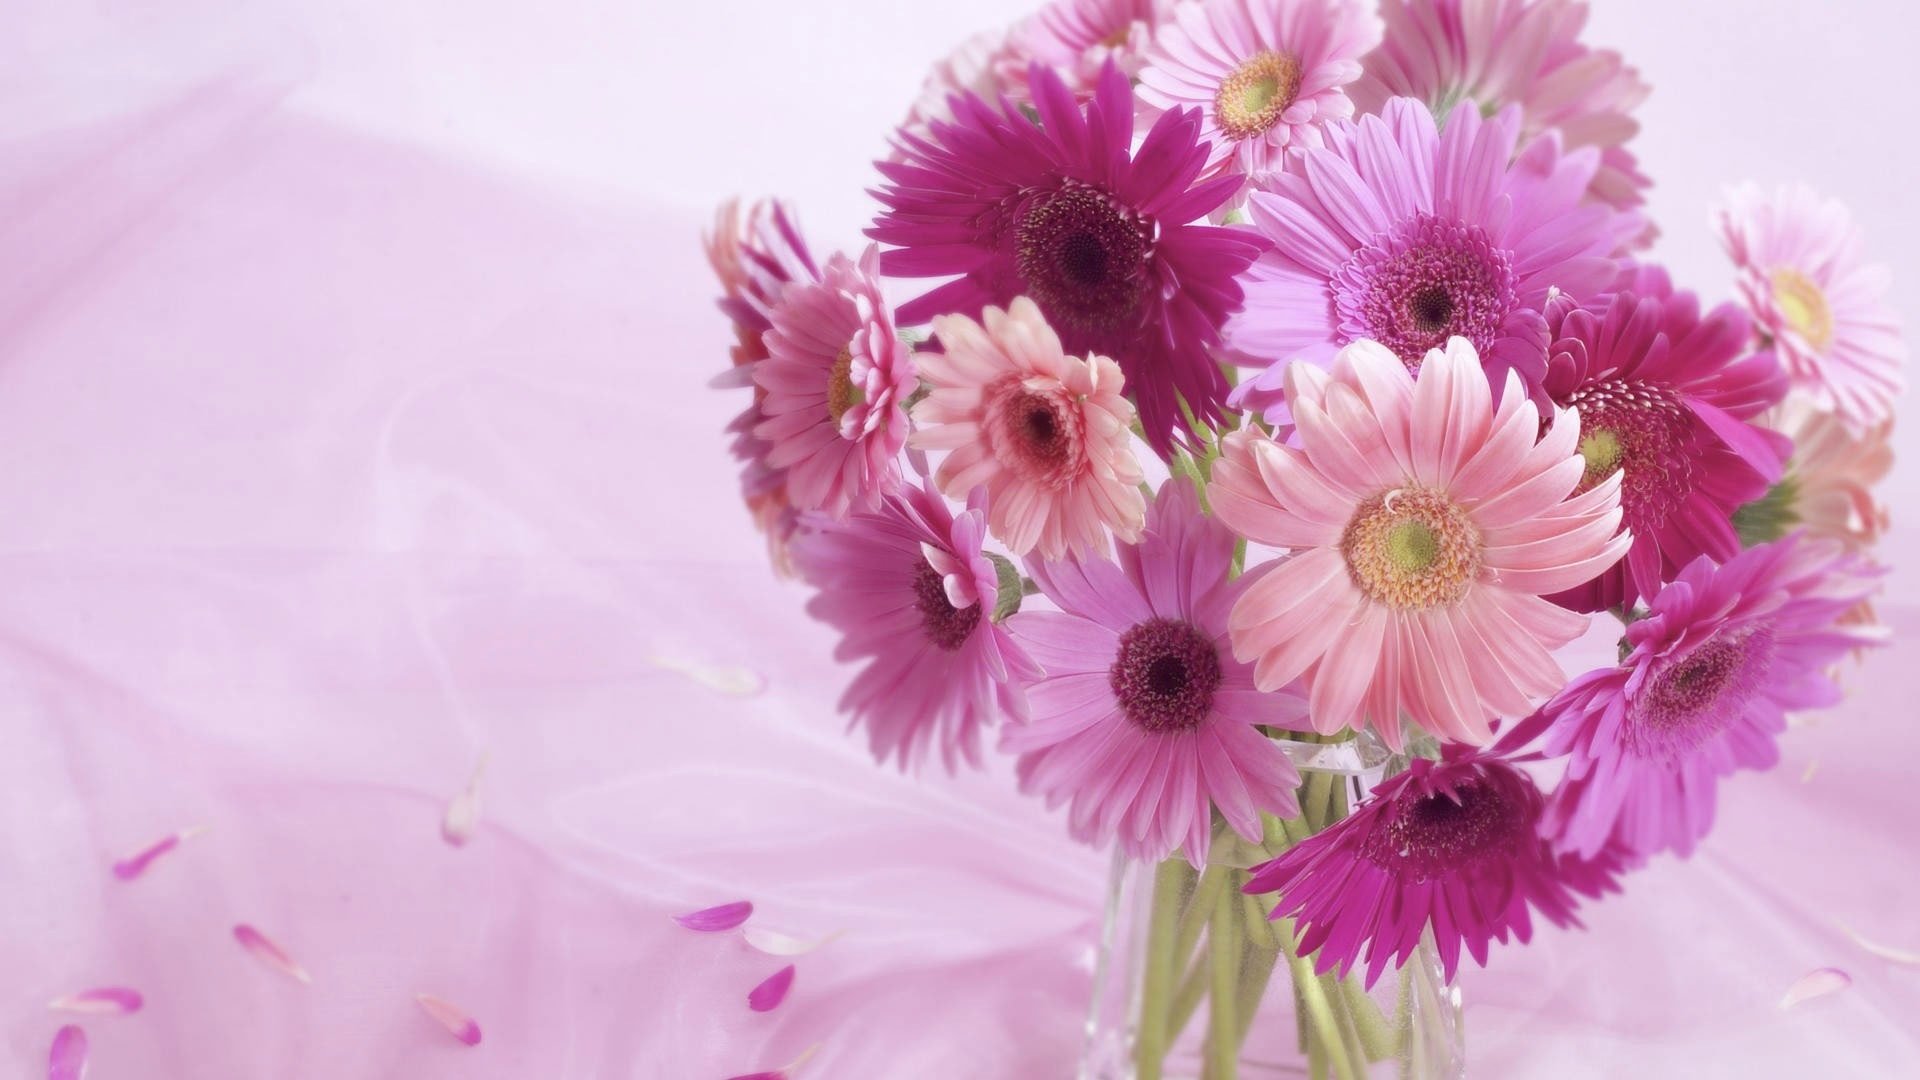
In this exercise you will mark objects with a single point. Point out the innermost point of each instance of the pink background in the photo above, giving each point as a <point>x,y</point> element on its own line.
<point>352,411</point>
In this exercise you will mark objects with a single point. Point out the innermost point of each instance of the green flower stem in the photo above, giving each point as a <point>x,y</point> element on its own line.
<point>1323,1024</point>
<point>1223,1025</point>
<point>1375,1035</point>
<point>1199,909</point>
<point>1263,953</point>
<point>1170,882</point>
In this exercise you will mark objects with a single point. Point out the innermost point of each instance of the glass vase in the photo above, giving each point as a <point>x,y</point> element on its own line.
<point>1196,982</point>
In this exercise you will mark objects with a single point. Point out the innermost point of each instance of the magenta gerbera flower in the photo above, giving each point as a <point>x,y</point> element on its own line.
<point>1514,52</point>
<point>1721,658</point>
<point>1100,238</point>
<point>1425,526</point>
<point>1448,845</point>
<point>914,595</point>
<point>836,378</point>
<point>1263,73</point>
<point>1144,720</point>
<point>1397,233</point>
<point>1079,38</point>
<point>1804,278</point>
<point>1667,400</point>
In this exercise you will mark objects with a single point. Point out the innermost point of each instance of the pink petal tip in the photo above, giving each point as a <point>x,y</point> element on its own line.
<point>100,1001</point>
<point>264,947</point>
<point>768,995</point>
<point>134,865</point>
<point>1884,952</point>
<point>1814,984</point>
<point>463,810</point>
<point>715,919</point>
<point>775,943</point>
<point>450,1017</point>
<point>68,1059</point>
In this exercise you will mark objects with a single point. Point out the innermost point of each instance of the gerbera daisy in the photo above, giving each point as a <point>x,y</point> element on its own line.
<point>1263,73</point>
<point>1078,38</point>
<point>977,66</point>
<point>1448,845</point>
<point>1667,399</point>
<point>837,380</point>
<point>913,595</point>
<point>1803,277</point>
<point>1047,433</point>
<point>1721,658</point>
<point>1514,52</point>
<point>1831,476</point>
<point>1398,233</point>
<point>1425,525</point>
<point>1062,212</point>
<point>1144,720</point>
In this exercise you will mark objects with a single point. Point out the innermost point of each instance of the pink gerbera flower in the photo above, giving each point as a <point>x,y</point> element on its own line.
<point>837,380</point>
<point>1144,720</point>
<point>976,67</point>
<point>1804,279</point>
<point>1078,38</point>
<point>1397,233</point>
<point>1666,399</point>
<point>1514,52</point>
<point>1047,433</point>
<point>1098,237</point>
<point>1425,525</point>
<point>1448,846</point>
<point>913,594</point>
<point>1263,73</point>
<point>1832,474</point>
<point>1721,658</point>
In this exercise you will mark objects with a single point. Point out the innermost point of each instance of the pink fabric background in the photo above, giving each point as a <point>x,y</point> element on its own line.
<point>353,426</point>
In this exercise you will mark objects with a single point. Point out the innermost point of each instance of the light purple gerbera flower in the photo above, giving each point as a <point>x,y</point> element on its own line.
<point>1669,398</point>
<point>913,594</point>
<point>1099,237</point>
<point>1722,657</point>
<point>1144,721</point>
<point>1449,845</point>
<point>1399,233</point>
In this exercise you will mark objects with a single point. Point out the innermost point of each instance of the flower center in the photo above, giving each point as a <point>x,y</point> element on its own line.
<point>1423,282</point>
<point>1803,306</point>
<point>1164,675</point>
<point>1444,832</point>
<point>1411,548</point>
<point>946,626</point>
<point>842,394</point>
<point>1695,697</point>
<point>1645,430</point>
<point>1251,99</point>
<point>1083,257</point>
<point>1039,433</point>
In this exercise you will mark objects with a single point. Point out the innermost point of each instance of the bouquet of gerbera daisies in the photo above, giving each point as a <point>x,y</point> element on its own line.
<point>1365,295</point>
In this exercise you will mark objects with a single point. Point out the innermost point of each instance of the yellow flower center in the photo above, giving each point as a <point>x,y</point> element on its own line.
<point>841,393</point>
<point>1803,305</point>
<point>1251,99</point>
<point>1603,451</point>
<point>1411,548</point>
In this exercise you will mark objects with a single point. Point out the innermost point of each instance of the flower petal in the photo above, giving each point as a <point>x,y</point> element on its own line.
<point>1884,952</point>
<point>463,810</point>
<point>134,865</point>
<point>721,679</point>
<point>769,994</point>
<point>266,949</point>
<point>68,1058</point>
<point>715,919</point>
<point>1816,983</point>
<point>100,1001</point>
<point>774,943</point>
<point>451,1017</point>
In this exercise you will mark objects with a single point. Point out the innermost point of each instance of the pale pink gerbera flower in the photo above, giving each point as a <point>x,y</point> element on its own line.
<point>1804,279</point>
<point>1514,52</point>
<point>913,595</point>
<point>837,380</point>
<point>979,66</point>
<point>1448,846</point>
<point>1077,38</point>
<point>1263,73</point>
<point>1425,528</point>
<point>1047,433</point>
<point>1832,474</point>
<point>1144,719</point>
<point>1400,233</point>
<point>1721,658</point>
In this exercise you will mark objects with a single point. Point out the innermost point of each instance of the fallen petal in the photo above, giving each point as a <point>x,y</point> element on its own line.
<point>134,865</point>
<point>68,1059</point>
<point>1813,766</point>
<point>1885,952</point>
<point>450,1017</point>
<point>731,681</point>
<point>263,947</point>
<point>714,919</point>
<point>100,1001</point>
<point>785,1073</point>
<point>768,995</point>
<point>1816,983</point>
<point>775,943</point>
<point>463,810</point>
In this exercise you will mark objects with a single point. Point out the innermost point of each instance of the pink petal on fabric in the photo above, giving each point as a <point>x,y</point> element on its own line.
<point>768,995</point>
<point>1884,952</point>
<point>775,943</point>
<point>450,1017</point>
<point>68,1058</point>
<point>785,1073</point>
<point>463,810</point>
<point>1816,983</point>
<point>1806,775</point>
<point>100,1001</point>
<point>263,947</point>
<point>134,865</point>
<point>715,919</point>
<point>721,679</point>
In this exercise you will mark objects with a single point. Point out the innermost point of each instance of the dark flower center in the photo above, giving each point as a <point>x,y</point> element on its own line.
<point>1164,675</point>
<point>946,626</point>
<point>1036,433</point>
<point>1444,832</point>
<point>1645,430</point>
<point>1695,697</point>
<point>1082,256</point>
<point>1423,282</point>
